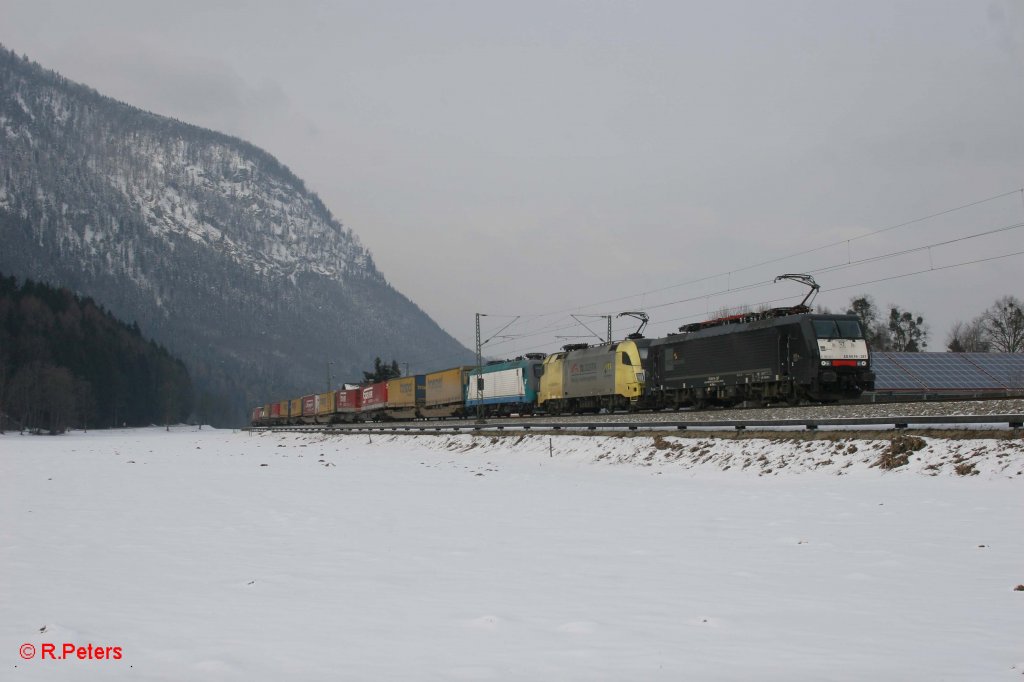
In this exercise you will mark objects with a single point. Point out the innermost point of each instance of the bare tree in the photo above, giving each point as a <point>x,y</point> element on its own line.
<point>1004,325</point>
<point>968,337</point>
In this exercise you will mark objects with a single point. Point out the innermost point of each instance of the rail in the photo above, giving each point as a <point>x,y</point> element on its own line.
<point>1012,421</point>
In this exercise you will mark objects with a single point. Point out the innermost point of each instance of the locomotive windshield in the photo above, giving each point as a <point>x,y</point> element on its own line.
<point>837,329</point>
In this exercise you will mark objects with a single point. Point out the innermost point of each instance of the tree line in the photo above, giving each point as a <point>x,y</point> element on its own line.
<point>66,362</point>
<point>998,329</point>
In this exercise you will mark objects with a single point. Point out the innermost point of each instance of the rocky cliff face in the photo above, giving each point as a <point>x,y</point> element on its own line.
<point>213,246</point>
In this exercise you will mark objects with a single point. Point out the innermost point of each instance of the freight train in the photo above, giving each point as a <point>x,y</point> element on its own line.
<point>781,355</point>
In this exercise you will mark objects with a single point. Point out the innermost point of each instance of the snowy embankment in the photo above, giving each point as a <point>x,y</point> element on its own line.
<point>963,455</point>
<point>212,555</point>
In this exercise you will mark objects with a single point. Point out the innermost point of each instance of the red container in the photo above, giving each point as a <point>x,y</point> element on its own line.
<point>375,396</point>
<point>275,410</point>
<point>348,401</point>
<point>309,406</point>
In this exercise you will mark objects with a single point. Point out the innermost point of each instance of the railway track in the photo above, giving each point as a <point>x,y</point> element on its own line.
<point>993,414</point>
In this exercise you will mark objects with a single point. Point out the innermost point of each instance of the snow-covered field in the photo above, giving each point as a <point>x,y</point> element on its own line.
<point>213,555</point>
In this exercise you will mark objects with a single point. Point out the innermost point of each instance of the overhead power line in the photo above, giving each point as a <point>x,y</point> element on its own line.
<point>863,283</point>
<point>559,324</point>
<point>779,259</point>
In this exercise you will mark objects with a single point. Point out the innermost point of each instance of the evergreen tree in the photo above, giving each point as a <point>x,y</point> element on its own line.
<point>382,371</point>
<point>64,362</point>
<point>907,333</point>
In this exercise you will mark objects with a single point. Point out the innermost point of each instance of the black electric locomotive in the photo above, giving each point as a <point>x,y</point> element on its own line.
<point>778,355</point>
<point>801,356</point>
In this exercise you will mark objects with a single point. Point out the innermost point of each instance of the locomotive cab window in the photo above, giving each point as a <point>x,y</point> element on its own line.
<point>625,358</point>
<point>837,329</point>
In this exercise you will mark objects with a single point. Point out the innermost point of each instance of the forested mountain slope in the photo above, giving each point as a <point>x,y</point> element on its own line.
<point>216,249</point>
<point>67,362</point>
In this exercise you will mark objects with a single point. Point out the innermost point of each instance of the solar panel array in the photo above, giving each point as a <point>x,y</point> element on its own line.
<point>954,372</point>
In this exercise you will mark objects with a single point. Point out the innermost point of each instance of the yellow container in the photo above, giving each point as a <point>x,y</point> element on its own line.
<point>295,407</point>
<point>325,404</point>
<point>402,392</point>
<point>447,387</point>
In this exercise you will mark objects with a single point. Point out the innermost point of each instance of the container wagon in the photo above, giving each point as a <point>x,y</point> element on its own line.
<point>347,404</point>
<point>445,393</point>
<point>406,395</point>
<point>374,401</point>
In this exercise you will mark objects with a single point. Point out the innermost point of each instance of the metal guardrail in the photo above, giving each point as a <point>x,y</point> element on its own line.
<point>1013,421</point>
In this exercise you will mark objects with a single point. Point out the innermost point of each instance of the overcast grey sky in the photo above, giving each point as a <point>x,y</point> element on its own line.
<point>517,158</point>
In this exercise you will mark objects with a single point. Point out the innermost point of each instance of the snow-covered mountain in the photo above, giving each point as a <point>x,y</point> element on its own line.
<point>211,244</point>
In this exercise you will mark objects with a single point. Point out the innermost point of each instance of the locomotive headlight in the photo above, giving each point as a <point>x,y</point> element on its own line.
<point>824,363</point>
<point>863,363</point>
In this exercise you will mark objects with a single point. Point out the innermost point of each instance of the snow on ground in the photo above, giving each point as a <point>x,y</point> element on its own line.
<point>215,555</point>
